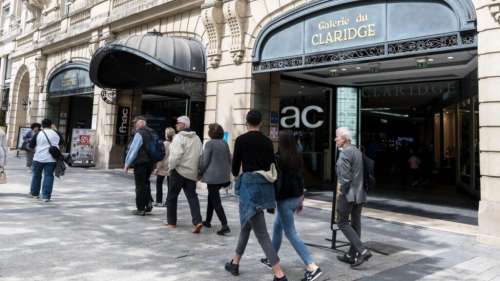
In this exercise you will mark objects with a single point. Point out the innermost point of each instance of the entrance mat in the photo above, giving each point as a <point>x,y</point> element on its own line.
<point>383,248</point>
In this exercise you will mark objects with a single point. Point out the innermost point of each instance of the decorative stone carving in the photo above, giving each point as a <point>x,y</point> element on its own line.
<point>495,10</point>
<point>94,43</point>
<point>40,67</point>
<point>34,8</point>
<point>235,14</point>
<point>213,20</point>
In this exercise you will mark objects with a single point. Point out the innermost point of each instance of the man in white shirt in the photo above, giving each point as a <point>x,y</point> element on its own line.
<point>43,161</point>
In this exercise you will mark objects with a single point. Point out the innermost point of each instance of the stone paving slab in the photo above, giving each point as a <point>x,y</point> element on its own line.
<point>88,233</point>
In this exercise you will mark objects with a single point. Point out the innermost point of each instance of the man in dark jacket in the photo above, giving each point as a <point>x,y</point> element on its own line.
<point>137,156</point>
<point>351,197</point>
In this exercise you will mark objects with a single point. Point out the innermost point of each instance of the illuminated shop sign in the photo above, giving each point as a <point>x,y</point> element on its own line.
<point>292,117</point>
<point>346,28</point>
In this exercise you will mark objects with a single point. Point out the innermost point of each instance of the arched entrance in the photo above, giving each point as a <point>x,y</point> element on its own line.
<point>20,105</point>
<point>402,75</point>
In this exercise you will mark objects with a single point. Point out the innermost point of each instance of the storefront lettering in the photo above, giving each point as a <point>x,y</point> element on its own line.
<point>123,129</point>
<point>122,125</point>
<point>296,117</point>
<point>337,30</point>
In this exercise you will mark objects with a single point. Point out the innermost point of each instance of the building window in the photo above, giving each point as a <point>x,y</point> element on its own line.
<point>5,14</point>
<point>8,70</point>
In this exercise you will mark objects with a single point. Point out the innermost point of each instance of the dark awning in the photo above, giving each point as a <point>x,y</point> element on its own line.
<point>142,61</point>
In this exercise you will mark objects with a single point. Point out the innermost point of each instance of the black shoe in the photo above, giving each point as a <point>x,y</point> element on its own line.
<point>232,268</point>
<point>266,262</point>
<point>139,213</point>
<point>149,208</point>
<point>224,230</point>
<point>312,275</point>
<point>346,258</point>
<point>361,258</point>
<point>280,279</point>
<point>207,224</point>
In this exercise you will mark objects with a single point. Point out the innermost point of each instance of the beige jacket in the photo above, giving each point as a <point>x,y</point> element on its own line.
<point>162,166</point>
<point>185,152</point>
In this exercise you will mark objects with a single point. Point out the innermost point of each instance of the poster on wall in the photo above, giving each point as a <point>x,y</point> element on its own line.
<point>83,147</point>
<point>347,110</point>
<point>23,131</point>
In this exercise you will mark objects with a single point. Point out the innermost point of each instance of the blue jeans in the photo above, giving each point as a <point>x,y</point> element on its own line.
<point>285,223</point>
<point>48,179</point>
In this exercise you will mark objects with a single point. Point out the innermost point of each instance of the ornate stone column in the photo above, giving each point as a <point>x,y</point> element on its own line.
<point>488,14</point>
<point>213,20</point>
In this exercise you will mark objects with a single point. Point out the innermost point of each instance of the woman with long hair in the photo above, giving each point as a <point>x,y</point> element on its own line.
<point>290,198</point>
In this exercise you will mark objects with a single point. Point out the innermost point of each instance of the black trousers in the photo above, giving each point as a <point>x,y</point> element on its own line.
<point>352,230</point>
<point>176,184</point>
<point>143,197</point>
<point>215,203</point>
<point>159,188</point>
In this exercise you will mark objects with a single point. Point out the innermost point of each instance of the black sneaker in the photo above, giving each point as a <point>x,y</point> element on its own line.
<point>280,279</point>
<point>207,224</point>
<point>266,262</point>
<point>224,230</point>
<point>232,268</point>
<point>139,213</point>
<point>361,258</point>
<point>346,259</point>
<point>312,275</point>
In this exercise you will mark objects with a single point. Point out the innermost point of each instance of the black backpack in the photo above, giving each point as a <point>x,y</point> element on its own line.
<point>368,173</point>
<point>155,147</point>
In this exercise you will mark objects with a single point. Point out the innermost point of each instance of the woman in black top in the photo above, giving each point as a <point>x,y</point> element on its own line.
<point>290,197</point>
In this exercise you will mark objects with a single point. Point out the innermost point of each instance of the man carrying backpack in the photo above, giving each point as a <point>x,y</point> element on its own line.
<point>141,155</point>
<point>183,162</point>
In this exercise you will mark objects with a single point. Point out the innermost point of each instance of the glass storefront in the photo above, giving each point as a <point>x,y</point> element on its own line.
<point>432,121</point>
<point>306,111</point>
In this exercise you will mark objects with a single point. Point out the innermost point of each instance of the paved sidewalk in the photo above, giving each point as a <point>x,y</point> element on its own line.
<point>88,233</point>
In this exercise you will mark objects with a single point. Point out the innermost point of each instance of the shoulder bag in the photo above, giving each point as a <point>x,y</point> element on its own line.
<point>54,150</point>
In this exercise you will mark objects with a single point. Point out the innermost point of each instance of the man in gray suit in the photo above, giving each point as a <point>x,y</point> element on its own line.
<point>351,197</point>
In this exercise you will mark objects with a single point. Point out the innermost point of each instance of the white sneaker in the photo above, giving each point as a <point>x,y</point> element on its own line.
<point>46,200</point>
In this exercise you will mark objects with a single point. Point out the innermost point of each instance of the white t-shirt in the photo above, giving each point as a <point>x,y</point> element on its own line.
<point>42,146</point>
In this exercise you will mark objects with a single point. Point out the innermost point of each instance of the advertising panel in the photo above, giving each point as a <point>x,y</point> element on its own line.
<point>83,144</point>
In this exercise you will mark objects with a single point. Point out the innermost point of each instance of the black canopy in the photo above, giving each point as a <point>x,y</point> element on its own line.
<point>142,61</point>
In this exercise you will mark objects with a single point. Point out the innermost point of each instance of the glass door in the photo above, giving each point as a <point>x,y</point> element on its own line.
<point>306,110</point>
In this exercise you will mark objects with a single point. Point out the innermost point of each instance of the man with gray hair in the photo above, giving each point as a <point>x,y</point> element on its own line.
<point>138,157</point>
<point>183,162</point>
<point>351,197</point>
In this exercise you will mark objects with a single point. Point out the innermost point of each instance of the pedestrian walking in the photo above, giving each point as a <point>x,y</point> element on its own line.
<point>351,197</point>
<point>161,170</point>
<point>139,156</point>
<point>254,155</point>
<point>3,156</point>
<point>43,161</point>
<point>30,153</point>
<point>215,171</point>
<point>290,198</point>
<point>183,164</point>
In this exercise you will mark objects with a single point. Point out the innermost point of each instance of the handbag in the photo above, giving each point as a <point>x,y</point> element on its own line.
<point>271,175</point>
<point>3,176</point>
<point>54,150</point>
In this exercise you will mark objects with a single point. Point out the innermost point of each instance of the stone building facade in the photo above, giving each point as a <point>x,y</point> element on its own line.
<point>39,38</point>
